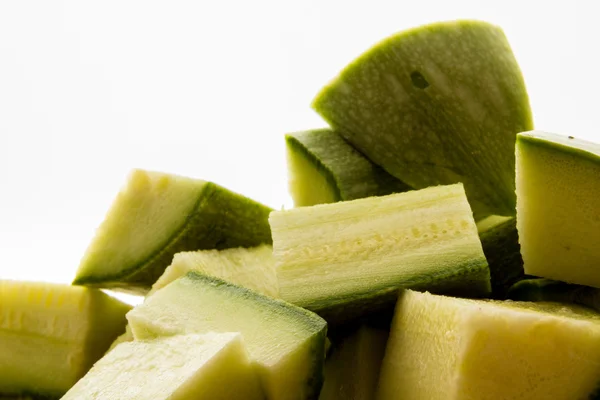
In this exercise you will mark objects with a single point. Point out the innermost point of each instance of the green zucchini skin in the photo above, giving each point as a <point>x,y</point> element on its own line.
<point>221,219</point>
<point>437,104</point>
<point>502,250</point>
<point>540,289</point>
<point>349,173</point>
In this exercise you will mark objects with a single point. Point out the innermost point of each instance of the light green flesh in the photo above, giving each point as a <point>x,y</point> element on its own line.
<point>438,104</point>
<point>549,290</point>
<point>558,207</point>
<point>324,168</point>
<point>51,334</point>
<point>308,185</point>
<point>448,348</point>
<point>287,343</point>
<point>253,268</point>
<point>184,367</point>
<point>341,260</point>
<point>352,371</point>
<point>157,215</point>
<point>490,222</point>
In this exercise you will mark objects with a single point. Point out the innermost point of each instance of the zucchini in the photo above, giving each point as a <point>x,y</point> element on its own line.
<point>286,343</point>
<point>352,370</point>
<point>449,348</point>
<point>549,290</point>
<point>183,367</point>
<point>500,242</point>
<point>347,260</point>
<point>51,334</point>
<point>558,207</point>
<point>157,215</point>
<point>324,168</point>
<point>438,104</point>
<point>253,268</point>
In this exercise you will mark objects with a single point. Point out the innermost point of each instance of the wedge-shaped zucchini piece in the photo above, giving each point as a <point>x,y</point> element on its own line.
<point>449,348</point>
<point>500,242</point>
<point>51,334</point>
<point>324,168</point>
<point>253,268</point>
<point>157,215</point>
<point>352,370</point>
<point>183,367</point>
<point>558,207</point>
<point>437,104</point>
<point>549,290</point>
<point>347,259</point>
<point>287,343</point>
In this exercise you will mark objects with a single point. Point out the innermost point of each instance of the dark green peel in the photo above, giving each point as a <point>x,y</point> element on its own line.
<point>501,248</point>
<point>435,105</point>
<point>549,290</point>
<point>348,173</point>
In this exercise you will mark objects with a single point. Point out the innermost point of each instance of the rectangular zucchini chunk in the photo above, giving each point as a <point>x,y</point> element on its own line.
<point>558,207</point>
<point>345,260</point>
<point>324,168</point>
<point>157,215</point>
<point>286,343</point>
<point>437,104</point>
<point>51,334</point>
<point>253,268</point>
<point>445,348</point>
<point>183,367</point>
<point>352,370</point>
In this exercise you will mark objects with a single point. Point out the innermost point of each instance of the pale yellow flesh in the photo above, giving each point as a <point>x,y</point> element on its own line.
<point>146,213</point>
<point>359,246</point>
<point>352,371</point>
<point>457,349</point>
<point>253,268</point>
<point>307,185</point>
<point>51,334</point>
<point>558,210</point>
<point>280,342</point>
<point>491,221</point>
<point>202,367</point>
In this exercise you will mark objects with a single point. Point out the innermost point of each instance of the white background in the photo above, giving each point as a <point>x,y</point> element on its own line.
<point>89,90</point>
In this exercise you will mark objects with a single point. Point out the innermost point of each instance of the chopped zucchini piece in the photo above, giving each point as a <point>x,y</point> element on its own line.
<point>352,371</point>
<point>501,248</point>
<point>253,268</point>
<point>558,207</point>
<point>183,367</point>
<point>286,342</point>
<point>51,334</point>
<point>324,168</point>
<point>157,215</point>
<point>348,259</point>
<point>437,104</point>
<point>549,290</point>
<point>449,348</point>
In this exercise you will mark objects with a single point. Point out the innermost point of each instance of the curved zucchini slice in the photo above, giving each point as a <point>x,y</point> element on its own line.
<point>51,334</point>
<point>437,104</point>
<point>558,207</point>
<point>444,348</point>
<point>324,168</point>
<point>157,215</point>
<point>183,367</point>
<point>287,343</point>
<point>349,259</point>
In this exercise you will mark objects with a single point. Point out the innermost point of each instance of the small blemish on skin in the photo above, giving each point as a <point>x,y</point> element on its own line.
<point>418,80</point>
<point>567,248</point>
<point>571,137</point>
